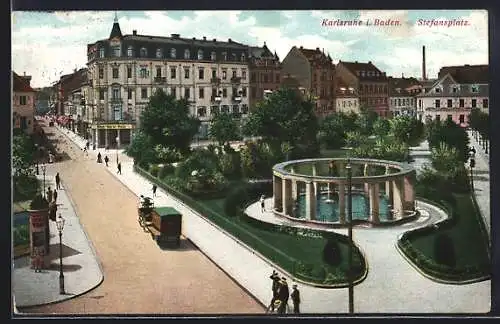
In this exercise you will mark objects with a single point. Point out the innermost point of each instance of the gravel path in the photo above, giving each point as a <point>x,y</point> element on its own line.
<point>139,277</point>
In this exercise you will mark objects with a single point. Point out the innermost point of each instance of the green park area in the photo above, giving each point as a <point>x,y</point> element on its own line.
<point>219,181</point>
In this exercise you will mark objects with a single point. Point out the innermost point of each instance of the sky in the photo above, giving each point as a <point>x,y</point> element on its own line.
<point>48,45</point>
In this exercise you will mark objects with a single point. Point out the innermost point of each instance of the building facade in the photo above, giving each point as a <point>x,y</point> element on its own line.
<point>346,98</point>
<point>265,73</point>
<point>402,96</point>
<point>370,83</point>
<point>314,71</point>
<point>457,90</point>
<point>125,70</point>
<point>23,103</point>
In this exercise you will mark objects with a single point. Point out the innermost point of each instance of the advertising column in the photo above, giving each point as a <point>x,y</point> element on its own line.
<point>38,239</point>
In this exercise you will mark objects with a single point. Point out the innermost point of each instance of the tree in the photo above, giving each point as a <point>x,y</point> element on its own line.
<point>445,159</point>
<point>407,129</point>
<point>451,134</point>
<point>284,117</point>
<point>332,129</point>
<point>141,148</point>
<point>168,123</point>
<point>381,127</point>
<point>224,128</point>
<point>354,139</point>
<point>365,120</point>
<point>23,150</point>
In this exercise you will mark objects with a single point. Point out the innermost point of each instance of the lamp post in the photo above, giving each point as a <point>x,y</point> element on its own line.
<point>117,148</point>
<point>60,227</point>
<point>36,158</point>
<point>472,164</point>
<point>349,234</point>
<point>44,169</point>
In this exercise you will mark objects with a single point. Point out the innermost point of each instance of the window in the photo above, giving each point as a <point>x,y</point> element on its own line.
<point>115,94</point>
<point>186,73</point>
<point>244,74</point>
<point>143,72</point>
<point>144,52</point>
<point>173,53</point>
<point>449,103</point>
<point>115,73</point>
<point>187,54</point>
<point>485,103</point>
<point>437,90</point>
<point>224,56</point>
<point>474,88</point>
<point>159,53</point>
<point>224,74</point>
<point>213,56</point>
<point>144,93</point>
<point>22,100</point>
<point>454,89</point>
<point>158,71</point>
<point>244,92</point>
<point>202,111</point>
<point>438,117</point>
<point>244,109</point>
<point>101,52</point>
<point>461,103</point>
<point>236,109</point>
<point>101,73</point>
<point>201,73</point>
<point>173,71</point>
<point>129,72</point>
<point>130,51</point>
<point>343,104</point>
<point>399,102</point>
<point>214,110</point>
<point>116,51</point>
<point>214,92</point>
<point>200,55</point>
<point>437,103</point>
<point>253,92</point>
<point>449,117</point>
<point>225,109</point>
<point>235,92</point>
<point>187,93</point>
<point>234,73</point>
<point>461,119</point>
<point>101,94</point>
<point>474,103</point>
<point>224,92</point>
<point>243,57</point>
<point>129,94</point>
<point>214,73</point>
<point>172,92</point>
<point>201,93</point>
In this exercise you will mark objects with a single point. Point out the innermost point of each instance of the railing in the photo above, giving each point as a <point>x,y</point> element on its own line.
<point>236,79</point>
<point>160,79</point>
<point>215,80</point>
<point>236,98</point>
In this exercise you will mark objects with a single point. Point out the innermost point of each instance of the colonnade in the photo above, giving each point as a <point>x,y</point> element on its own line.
<point>397,188</point>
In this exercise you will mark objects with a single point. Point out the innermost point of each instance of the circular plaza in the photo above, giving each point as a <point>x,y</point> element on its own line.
<point>316,191</point>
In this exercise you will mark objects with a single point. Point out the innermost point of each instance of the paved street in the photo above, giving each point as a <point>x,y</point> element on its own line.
<point>139,277</point>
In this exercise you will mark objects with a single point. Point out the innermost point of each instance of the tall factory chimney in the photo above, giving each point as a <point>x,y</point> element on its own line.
<point>424,76</point>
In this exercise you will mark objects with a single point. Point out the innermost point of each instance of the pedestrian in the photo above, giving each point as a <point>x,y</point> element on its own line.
<point>49,194</point>
<point>275,289</point>
<point>262,203</point>
<point>295,299</point>
<point>85,151</point>
<point>106,160</point>
<point>119,168</point>
<point>55,195</point>
<point>87,145</point>
<point>99,160</point>
<point>154,189</point>
<point>58,181</point>
<point>283,295</point>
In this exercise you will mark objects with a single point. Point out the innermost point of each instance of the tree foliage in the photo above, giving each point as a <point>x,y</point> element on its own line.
<point>450,133</point>
<point>407,129</point>
<point>23,150</point>
<point>141,148</point>
<point>384,149</point>
<point>224,128</point>
<point>381,127</point>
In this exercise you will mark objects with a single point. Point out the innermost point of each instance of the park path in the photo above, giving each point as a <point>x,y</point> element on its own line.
<point>139,277</point>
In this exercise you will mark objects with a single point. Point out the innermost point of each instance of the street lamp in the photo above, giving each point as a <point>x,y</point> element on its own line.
<point>472,164</point>
<point>60,227</point>
<point>117,148</point>
<point>36,158</point>
<point>44,169</point>
<point>349,234</point>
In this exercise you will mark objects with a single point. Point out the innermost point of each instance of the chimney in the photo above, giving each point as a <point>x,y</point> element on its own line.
<point>215,39</point>
<point>369,62</point>
<point>134,32</point>
<point>204,38</point>
<point>229,40</point>
<point>302,47</point>
<point>194,38</point>
<point>424,76</point>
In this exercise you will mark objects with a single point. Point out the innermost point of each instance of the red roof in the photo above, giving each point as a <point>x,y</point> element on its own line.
<point>19,84</point>
<point>315,55</point>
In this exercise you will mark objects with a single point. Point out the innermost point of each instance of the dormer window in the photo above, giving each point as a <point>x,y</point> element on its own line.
<point>224,56</point>
<point>173,53</point>
<point>454,89</point>
<point>362,73</point>
<point>159,53</point>
<point>101,52</point>
<point>187,55</point>
<point>200,55</point>
<point>213,56</point>
<point>234,56</point>
<point>130,51</point>
<point>144,52</point>
<point>242,57</point>
<point>474,88</point>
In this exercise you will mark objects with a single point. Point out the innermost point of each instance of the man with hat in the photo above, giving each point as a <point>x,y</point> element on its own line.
<point>295,299</point>
<point>283,295</point>
<point>276,286</point>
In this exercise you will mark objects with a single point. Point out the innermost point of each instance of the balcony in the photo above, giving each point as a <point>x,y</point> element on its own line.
<point>116,100</point>
<point>216,99</point>
<point>236,80</point>
<point>160,80</point>
<point>215,80</point>
<point>236,98</point>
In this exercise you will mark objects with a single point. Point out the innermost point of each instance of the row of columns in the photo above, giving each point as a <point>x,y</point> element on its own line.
<point>399,192</point>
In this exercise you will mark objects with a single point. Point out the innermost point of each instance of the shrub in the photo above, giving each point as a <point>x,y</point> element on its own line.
<point>444,250</point>
<point>165,170</point>
<point>332,254</point>
<point>235,199</point>
<point>39,202</point>
<point>200,159</point>
<point>154,170</point>
<point>229,164</point>
<point>319,273</point>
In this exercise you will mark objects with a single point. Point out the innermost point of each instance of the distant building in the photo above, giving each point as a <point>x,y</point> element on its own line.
<point>265,73</point>
<point>402,93</point>
<point>346,98</point>
<point>457,90</point>
<point>370,83</point>
<point>23,103</point>
<point>314,71</point>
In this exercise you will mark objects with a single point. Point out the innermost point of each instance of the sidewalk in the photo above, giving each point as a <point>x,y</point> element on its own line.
<point>82,271</point>
<point>392,285</point>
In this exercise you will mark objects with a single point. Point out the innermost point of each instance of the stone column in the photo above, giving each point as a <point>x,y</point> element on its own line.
<point>374,203</point>
<point>341,203</point>
<point>388,187</point>
<point>310,201</point>
<point>366,172</point>
<point>286,196</point>
<point>314,173</point>
<point>106,140</point>
<point>277,190</point>
<point>397,198</point>
<point>409,182</point>
<point>294,187</point>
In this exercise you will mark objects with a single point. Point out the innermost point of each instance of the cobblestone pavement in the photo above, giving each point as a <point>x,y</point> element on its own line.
<point>139,277</point>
